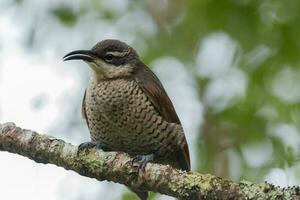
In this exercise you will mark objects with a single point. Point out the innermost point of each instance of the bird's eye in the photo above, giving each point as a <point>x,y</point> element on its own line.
<point>108,57</point>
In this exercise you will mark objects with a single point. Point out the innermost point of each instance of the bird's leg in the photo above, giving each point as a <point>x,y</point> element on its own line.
<point>89,145</point>
<point>142,160</point>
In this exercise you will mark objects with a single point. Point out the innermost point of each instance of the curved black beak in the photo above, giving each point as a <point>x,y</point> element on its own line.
<point>85,55</point>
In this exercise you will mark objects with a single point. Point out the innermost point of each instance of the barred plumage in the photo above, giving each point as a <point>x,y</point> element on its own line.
<point>121,116</point>
<point>127,108</point>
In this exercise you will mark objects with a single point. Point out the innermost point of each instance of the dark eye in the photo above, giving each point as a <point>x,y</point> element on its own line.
<point>108,57</point>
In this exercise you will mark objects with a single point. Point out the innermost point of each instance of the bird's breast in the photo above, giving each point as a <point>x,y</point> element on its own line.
<point>121,116</point>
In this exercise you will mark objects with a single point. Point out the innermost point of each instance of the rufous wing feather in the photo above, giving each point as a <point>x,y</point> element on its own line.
<point>83,111</point>
<point>154,90</point>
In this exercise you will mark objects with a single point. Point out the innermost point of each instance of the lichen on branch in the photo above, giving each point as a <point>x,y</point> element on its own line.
<point>117,167</point>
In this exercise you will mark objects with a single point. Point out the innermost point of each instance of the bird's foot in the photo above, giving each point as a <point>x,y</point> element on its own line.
<point>89,145</point>
<point>142,160</point>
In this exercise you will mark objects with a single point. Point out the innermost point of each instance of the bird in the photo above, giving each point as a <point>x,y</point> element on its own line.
<point>127,109</point>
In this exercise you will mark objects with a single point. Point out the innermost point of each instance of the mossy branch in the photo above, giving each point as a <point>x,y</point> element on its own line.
<point>117,167</point>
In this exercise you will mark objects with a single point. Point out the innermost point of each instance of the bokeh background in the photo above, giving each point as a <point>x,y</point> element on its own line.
<point>230,67</point>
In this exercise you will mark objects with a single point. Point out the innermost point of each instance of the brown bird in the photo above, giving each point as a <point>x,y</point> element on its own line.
<point>127,109</point>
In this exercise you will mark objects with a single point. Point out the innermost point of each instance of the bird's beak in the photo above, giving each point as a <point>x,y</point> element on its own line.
<point>85,55</point>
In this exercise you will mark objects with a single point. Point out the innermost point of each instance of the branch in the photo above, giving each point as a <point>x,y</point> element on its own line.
<point>116,167</point>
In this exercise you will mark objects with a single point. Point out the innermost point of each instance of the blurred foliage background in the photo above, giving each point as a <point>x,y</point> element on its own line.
<point>241,58</point>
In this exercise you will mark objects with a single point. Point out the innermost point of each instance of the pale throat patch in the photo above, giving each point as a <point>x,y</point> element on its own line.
<point>110,71</point>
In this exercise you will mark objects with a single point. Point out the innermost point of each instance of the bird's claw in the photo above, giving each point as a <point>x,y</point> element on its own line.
<point>142,160</point>
<point>89,145</point>
<point>86,146</point>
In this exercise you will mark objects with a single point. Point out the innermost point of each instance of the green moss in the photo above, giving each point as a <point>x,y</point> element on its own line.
<point>193,182</point>
<point>263,191</point>
<point>87,162</point>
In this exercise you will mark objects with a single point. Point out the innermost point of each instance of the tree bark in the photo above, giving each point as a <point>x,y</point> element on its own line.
<point>118,167</point>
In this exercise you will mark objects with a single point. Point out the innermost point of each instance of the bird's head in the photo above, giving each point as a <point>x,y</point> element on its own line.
<point>108,58</point>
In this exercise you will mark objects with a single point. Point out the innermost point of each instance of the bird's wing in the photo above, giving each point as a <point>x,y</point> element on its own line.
<point>83,111</point>
<point>154,90</point>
